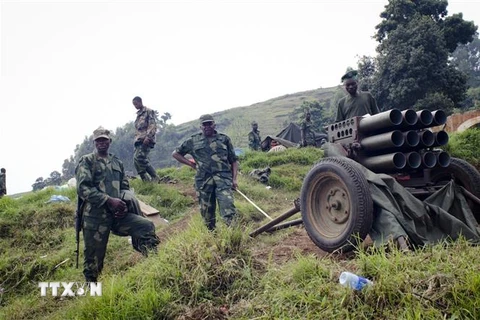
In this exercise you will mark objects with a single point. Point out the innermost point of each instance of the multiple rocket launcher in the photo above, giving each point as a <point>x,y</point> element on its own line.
<point>393,140</point>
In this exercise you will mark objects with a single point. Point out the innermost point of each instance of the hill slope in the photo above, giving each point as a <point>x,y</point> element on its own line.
<point>272,115</point>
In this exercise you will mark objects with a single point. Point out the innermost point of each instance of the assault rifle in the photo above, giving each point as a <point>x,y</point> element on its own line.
<point>78,225</point>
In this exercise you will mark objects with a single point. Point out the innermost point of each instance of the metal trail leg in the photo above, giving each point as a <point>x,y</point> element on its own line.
<point>275,221</point>
<point>287,224</point>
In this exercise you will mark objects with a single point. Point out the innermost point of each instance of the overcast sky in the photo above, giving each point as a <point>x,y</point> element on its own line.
<point>69,66</point>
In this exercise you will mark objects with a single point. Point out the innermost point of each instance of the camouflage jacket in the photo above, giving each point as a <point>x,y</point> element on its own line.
<point>214,156</point>
<point>145,125</point>
<point>3,183</point>
<point>97,180</point>
<point>308,133</point>
<point>254,140</point>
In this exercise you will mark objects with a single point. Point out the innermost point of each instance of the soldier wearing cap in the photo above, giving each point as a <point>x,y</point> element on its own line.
<point>355,103</point>
<point>254,140</point>
<point>306,131</point>
<point>216,165</point>
<point>3,182</point>
<point>146,129</point>
<point>101,182</point>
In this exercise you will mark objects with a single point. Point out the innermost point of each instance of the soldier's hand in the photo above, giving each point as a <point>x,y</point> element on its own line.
<point>117,204</point>
<point>120,214</point>
<point>146,142</point>
<point>234,184</point>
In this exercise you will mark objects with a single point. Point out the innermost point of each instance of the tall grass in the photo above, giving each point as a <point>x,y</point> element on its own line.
<point>225,274</point>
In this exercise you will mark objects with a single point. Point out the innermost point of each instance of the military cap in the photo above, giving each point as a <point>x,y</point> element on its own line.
<point>206,118</point>
<point>350,75</point>
<point>101,132</point>
<point>254,122</point>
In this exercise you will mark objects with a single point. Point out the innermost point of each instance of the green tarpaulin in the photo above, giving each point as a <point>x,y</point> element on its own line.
<point>443,215</point>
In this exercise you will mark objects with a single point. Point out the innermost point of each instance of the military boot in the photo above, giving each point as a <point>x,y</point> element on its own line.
<point>144,177</point>
<point>152,173</point>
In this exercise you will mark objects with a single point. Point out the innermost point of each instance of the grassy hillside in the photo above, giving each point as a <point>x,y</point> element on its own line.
<point>272,115</point>
<point>200,275</point>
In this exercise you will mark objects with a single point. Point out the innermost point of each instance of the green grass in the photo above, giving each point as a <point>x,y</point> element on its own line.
<point>226,274</point>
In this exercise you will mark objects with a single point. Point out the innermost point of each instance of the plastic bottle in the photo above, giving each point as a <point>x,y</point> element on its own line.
<point>353,281</point>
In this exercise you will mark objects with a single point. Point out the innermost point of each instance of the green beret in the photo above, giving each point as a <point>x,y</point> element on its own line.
<point>350,75</point>
<point>206,118</point>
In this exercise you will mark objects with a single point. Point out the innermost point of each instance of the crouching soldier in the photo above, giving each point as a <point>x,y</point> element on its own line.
<point>100,182</point>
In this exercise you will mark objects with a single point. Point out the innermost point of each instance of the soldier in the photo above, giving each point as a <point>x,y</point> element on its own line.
<point>307,133</point>
<point>100,182</point>
<point>254,140</point>
<point>216,165</point>
<point>3,182</point>
<point>146,129</point>
<point>355,103</point>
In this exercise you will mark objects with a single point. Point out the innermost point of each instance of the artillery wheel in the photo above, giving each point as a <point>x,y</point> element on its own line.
<point>465,175</point>
<point>336,204</point>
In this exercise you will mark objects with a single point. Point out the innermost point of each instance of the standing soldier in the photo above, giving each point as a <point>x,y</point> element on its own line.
<point>307,133</point>
<point>254,140</point>
<point>3,182</point>
<point>100,183</point>
<point>146,129</point>
<point>355,103</point>
<point>216,165</point>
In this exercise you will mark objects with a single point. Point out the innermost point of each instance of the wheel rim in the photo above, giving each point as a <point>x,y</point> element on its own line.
<point>330,205</point>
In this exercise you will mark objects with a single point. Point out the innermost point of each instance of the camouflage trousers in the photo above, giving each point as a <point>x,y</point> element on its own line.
<point>208,196</point>
<point>96,232</point>
<point>140,159</point>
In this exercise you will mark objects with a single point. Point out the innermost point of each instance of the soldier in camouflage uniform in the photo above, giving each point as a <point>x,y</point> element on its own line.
<point>3,182</point>
<point>308,135</point>
<point>146,129</point>
<point>254,140</point>
<point>216,165</point>
<point>100,182</point>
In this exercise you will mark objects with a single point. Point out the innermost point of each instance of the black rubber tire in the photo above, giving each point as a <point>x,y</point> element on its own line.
<point>465,175</point>
<point>336,205</point>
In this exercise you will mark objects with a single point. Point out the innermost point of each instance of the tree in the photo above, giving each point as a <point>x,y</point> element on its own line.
<point>55,179</point>
<point>466,58</point>
<point>416,39</point>
<point>321,114</point>
<point>68,168</point>
<point>366,72</point>
<point>39,184</point>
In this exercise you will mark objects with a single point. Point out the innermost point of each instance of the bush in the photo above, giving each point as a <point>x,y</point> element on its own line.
<point>465,145</point>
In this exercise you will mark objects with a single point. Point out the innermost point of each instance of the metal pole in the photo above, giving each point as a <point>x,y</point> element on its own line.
<point>266,215</point>
<point>278,219</point>
<point>286,225</point>
<point>470,195</point>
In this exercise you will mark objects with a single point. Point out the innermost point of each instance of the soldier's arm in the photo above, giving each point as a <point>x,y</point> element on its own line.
<point>234,174</point>
<point>340,115</point>
<point>232,157</point>
<point>152,127</point>
<point>180,152</point>
<point>302,134</point>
